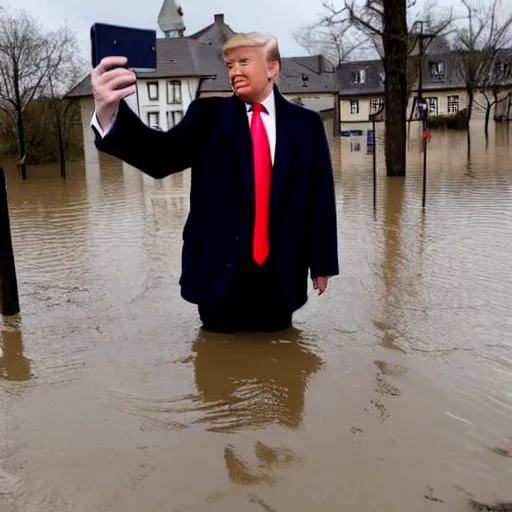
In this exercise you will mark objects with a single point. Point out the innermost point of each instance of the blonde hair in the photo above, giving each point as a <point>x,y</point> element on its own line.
<point>255,39</point>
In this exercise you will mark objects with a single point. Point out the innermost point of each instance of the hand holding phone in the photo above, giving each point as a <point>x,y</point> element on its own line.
<point>116,52</point>
<point>111,82</point>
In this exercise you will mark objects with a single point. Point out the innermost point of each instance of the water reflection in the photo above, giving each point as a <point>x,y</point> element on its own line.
<point>98,259</point>
<point>267,458</point>
<point>502,134</point>
<point>14,366</point>
<point>251,382</point>
<point>392,258</point>
<point>468,146</point>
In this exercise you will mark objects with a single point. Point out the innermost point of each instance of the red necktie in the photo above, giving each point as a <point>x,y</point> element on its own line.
<point>262,171</point>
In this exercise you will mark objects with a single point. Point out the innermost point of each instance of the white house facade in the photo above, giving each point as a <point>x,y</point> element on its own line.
<point>162,102</point>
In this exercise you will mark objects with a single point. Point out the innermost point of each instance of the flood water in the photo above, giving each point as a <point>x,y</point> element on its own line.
<point>392,393</point>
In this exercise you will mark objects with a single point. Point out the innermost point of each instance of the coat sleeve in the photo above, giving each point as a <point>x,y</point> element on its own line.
<point>156,153</point>
<point>324,250</point>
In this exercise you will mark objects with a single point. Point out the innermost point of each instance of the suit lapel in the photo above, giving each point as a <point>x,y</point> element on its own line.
<point>284,146</point>
<point>240,134</point>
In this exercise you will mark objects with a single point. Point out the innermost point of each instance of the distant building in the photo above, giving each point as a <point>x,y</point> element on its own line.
<point>362,87</point>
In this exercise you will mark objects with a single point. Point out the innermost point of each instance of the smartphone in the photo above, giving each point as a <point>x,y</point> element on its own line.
<point>136,44</point>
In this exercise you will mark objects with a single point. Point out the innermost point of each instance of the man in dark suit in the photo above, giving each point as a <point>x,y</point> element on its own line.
<point>262,201</point>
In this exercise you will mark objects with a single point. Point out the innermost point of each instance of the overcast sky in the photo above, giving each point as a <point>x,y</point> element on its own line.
<point>279,17</point>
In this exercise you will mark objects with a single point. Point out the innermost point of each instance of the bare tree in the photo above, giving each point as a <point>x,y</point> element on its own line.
<point>486,30</point>
<point>385,22</point>
<point>22,67</point>
<point>333,36</point>
<point>65,68</point>
<point>383,25</point>
<point>497,86</point>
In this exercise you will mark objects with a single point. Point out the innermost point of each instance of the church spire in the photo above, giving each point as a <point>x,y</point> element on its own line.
<point>171,20</point>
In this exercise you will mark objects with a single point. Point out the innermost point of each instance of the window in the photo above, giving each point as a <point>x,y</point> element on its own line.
<point>154,120</point>
<point>174,92</point>
<point>382,77</point>
<point>354,107</point>
<point>453,104</point>
<point>376,104</point>
<point>432,105</point>
<point>358,77</point>
<point>153,90</point>
<point>436,70</point>
<point>502,70</point>
<point>174,117</point>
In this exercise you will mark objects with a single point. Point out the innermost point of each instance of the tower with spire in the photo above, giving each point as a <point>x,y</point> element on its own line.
<point>170,19</point>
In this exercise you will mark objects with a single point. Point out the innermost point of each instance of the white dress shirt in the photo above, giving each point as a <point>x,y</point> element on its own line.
<point>268,117</point>
<point>269,120</point>
<point>96,124</point>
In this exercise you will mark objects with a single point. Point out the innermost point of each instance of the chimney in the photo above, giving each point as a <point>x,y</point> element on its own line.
<point>219,19</point>
<point>321,64</point>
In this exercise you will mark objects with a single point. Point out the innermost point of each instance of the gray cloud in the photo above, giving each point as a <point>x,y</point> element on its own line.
<point>279,17</point>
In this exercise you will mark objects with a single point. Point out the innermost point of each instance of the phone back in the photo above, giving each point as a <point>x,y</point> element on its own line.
<point>136,44</point>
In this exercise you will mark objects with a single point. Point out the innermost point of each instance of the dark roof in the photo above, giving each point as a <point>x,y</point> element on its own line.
<point>83,88</point>
<point>177,58</point>
<point>184,57</point>
<point>373,80</point>
<point>200,54</point>
<point>215,34</point>
<point>374,69</point>
<point>313,74</point>
<point>299,75</point>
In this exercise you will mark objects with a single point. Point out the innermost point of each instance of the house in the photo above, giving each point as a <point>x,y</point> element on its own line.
<point>362,86</point>
<point>191,67</point>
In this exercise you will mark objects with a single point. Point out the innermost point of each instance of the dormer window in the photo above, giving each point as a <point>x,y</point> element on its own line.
<point>436,70</point>
<point>503,69</point>
<point>358,77</point>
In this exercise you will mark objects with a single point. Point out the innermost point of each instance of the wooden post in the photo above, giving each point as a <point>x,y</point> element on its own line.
<point>337,115</point>
<point>425,137</point>
<point>373,118</point>
<point>8,283</point>
<point>374,166</point>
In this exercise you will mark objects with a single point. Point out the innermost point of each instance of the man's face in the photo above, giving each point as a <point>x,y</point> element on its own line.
<point>248,72</point>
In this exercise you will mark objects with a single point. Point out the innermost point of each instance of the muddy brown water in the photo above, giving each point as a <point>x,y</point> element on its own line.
<point>393,392</point>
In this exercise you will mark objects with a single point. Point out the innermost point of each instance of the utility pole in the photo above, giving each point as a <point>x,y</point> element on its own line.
<point>418,28</point>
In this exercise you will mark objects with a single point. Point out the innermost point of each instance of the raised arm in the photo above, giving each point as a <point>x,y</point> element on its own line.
<point>126,137</point>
